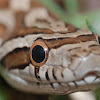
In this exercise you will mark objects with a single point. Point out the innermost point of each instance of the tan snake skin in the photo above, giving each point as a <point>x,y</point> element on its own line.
<point>72,56</point>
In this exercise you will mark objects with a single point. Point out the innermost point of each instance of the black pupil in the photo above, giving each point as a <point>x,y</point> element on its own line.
<point>38,54</point>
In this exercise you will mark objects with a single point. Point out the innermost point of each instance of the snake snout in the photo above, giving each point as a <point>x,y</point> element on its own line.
<point>89,68</point>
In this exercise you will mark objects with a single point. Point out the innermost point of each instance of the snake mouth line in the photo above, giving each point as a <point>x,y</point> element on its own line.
<point>88,83</point>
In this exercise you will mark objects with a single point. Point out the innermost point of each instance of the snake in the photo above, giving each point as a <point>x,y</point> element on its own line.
<point>41,54</point>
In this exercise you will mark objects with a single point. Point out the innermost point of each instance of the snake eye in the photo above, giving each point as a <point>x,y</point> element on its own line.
<point>39,53</point>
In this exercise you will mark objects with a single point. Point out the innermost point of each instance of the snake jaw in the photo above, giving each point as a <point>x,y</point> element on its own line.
<point>58,79</point>
<point>80,72</point>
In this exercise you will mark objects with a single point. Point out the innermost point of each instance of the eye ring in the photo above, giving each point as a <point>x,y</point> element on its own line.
<point>39,53</point>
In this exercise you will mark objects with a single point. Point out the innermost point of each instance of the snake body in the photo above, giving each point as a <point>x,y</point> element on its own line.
<point>41,54</point>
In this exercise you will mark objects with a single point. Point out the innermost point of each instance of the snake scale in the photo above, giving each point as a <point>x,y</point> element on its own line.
<point>41,54</point>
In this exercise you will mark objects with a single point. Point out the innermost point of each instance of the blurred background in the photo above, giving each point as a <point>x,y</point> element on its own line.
<point>75,11</point>
<point>71,11</point>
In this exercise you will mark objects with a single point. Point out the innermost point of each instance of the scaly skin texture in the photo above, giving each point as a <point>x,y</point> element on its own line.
<point>72,61</point>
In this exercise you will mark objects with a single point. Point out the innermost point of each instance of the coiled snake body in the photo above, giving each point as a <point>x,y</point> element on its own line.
<point>41,54</point>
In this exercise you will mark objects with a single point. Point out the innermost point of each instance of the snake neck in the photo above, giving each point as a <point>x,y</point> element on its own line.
<point>18,19</point>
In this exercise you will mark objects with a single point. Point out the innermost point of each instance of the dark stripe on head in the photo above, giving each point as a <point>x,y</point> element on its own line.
<point>58,42</point>
<point>28,31</point>
<point>94,45</point>
<point>34,30</point>
<point>18,58</point>
<point>74,48</point>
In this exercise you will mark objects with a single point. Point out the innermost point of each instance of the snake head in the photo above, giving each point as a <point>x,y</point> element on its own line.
<point>52,63</point>
<point>69,67</point>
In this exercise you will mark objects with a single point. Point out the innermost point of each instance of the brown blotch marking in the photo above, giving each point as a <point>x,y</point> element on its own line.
<point>74,55</point>
<point>4,4</point>
<point>19,25</point>
<point>19,58</point>
<point>71,28</point>
<point>3,31</point>
<point>58,42</point>
<point>35,4</point>
<point>29,30</point>
<point>34,30</point>
<point>52,15</point>
<point>19,15</point>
